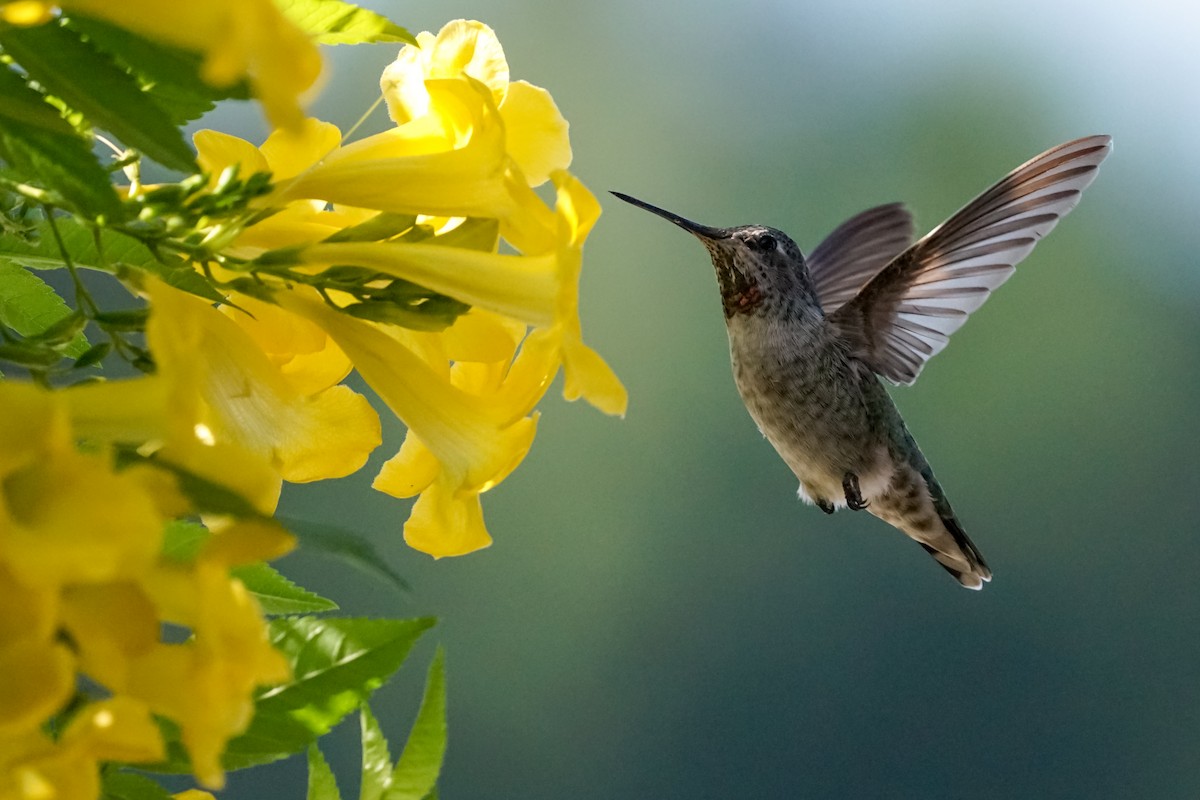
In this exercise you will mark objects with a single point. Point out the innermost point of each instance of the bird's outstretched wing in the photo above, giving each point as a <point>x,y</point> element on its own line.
<point>856,251</point>
<point>903,316</point>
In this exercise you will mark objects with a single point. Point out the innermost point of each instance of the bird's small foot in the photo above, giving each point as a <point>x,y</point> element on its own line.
<point>854,498</point>
<point>825,505</point>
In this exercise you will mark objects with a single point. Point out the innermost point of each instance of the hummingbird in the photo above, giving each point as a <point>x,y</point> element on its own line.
<point>811,338</point>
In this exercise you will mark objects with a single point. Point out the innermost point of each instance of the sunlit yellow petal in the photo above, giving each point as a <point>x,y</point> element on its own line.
<point>409,472</point>
<point>27,12</point>
<point>462,47</point>
<point>524,287</point>
<point>392,171</point>
<point>446,522</point>
<point>537,132</point>
<point>307,437</point>
<point>304,353</point>
<point>217,151</point>
<point>589,377</point>
<point>290,151</point>
<point>458,428</point>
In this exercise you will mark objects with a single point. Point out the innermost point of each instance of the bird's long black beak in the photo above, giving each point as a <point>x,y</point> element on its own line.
<point>694,228</point>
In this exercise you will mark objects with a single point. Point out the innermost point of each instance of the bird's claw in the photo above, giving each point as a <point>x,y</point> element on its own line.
<point>854,498</point>
<point>825,505</point>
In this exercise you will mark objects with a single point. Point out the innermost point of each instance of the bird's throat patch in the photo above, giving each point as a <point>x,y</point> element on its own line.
<point>739,293</point>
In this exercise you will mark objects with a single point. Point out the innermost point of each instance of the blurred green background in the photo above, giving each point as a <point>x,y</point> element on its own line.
<point>660,617</point>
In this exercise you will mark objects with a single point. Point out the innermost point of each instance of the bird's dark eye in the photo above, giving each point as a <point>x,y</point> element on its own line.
<point>762,242</point>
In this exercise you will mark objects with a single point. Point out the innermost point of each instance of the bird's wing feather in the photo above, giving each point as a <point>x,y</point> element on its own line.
<point>856,251</point>
<point>903,316</point>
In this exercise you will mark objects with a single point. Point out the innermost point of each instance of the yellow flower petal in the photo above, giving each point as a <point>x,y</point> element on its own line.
<point>462,47</point>
<point>307,357</point>
<point>537,132</point>
<point>291,151</point>
<point>409,472</point>
<point>306,437</point>
<point>110,624</point>
<point>457,427</point>
<point>71,519</point>
<point>417,169</point>
<point>38,680</point>
<point>446,522</point>
<point>116,729</point>
<point>525,287</point>
<point>217,151</point>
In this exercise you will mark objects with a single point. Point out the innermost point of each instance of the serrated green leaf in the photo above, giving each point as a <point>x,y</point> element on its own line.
<point>277,595</point>
<point>31,307</point>
<point>118,785</point>
<point>350,547</point>
<point>42,148</point>
<point>116,253</point>
<point>322,785</point>
<point>88,81</point>
<point>376,760</point>
<point>336,664</point>
<point>168,74</point>
<point>337,22</point>
<point>420,764</point>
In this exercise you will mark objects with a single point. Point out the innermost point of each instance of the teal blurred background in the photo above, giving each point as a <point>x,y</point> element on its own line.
<point>660,617</point>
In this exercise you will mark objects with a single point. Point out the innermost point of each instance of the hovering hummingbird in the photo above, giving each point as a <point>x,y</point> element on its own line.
<point>810,337</point>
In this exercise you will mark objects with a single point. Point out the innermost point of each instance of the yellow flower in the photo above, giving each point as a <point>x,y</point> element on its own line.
<point>239,39</point>
<point>206,684</point>
<point>468,147</point>
<point>477,444</point>
<point>307,425</point>
<point>38,768</point>
<point>84,589</point>
<point>536,132</point>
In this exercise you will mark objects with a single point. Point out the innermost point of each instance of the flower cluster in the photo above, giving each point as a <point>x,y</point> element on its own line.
<point>447,185</point>
<point>440,260</point>
<point>87,589</point>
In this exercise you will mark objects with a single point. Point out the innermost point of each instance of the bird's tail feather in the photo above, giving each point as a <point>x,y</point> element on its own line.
<point>963,560</point>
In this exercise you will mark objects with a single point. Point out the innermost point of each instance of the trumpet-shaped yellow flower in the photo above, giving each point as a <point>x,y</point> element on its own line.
<point>304,423</point>
<point>239,39</point>
<point>536,131</point>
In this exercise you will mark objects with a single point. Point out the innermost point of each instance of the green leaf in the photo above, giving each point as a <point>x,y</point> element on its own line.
<point>170,75</point>
<point>108,96</point>
<point>41,147</point>
<point>182,540</point>
<point>117,785</point>
<point>321,783</point>
<point>277,595</point>
<point>336,665</point>
<point>350,547</point>
<point>30,307</point>
<point>383,225</point>
<point>337,22</point>
<point>376,760</point>
<point>420,764</point>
